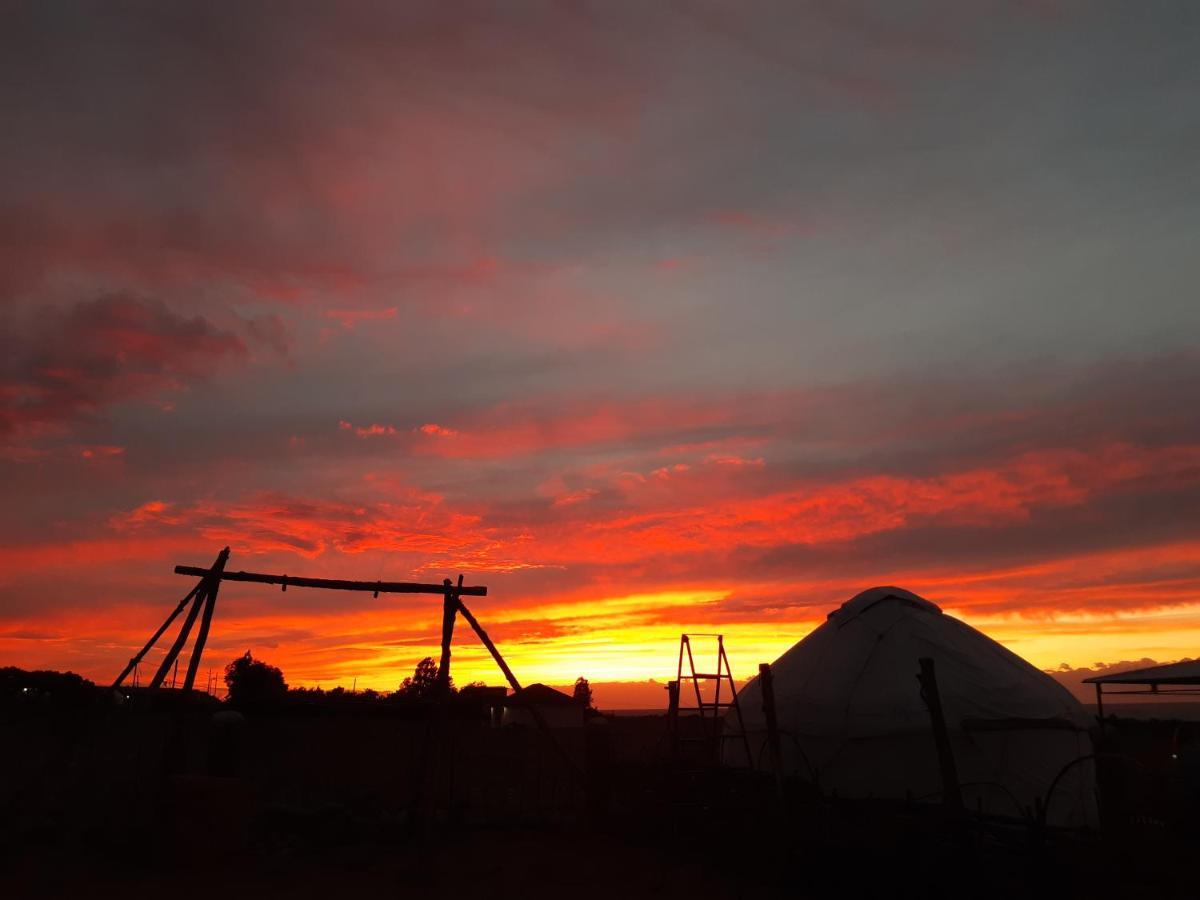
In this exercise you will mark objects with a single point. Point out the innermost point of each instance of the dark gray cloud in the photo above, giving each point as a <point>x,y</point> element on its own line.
<point>843,240</point>
<point>1127,520</point>
<point>73,362</point>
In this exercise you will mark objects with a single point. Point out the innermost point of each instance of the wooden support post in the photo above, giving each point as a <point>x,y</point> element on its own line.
<point>449,611</point>
<point>673,715</point>
<point>951,790</point>
<point>213,585</point>
<point>133,663</point>
<point>538,718</point>
<point>487,642</point>
<point>185,631</point>
<point>180,639</point>
<point>766,679</point>
<point>1100,706</point>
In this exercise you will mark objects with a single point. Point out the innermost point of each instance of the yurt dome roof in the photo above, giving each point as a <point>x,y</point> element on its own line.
<point>860,603</point>
<point>851,715</point>
<point>856,672</point>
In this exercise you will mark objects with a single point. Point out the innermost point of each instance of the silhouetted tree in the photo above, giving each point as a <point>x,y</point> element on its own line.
<point>583,692</point>
<point>423,683</point>
<point>63,689</point>
<point>251,680</point>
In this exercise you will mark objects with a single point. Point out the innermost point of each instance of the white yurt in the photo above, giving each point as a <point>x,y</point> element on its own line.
<point>851,715</point>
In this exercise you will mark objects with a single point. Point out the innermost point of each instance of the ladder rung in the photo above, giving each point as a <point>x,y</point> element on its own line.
<point>709,675</point>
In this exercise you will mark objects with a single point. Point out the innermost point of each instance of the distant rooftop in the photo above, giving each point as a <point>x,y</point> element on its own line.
<point>540,695</point>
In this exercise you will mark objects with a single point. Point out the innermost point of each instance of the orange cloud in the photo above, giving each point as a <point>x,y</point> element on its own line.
<point>375,430</point>
<point>508,431</point>
<point>349,318</point>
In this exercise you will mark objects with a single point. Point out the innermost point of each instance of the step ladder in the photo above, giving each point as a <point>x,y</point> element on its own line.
<point>714,712</point>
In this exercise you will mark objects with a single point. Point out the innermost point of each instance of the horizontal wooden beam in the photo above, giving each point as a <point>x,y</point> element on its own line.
<point>337,584</point>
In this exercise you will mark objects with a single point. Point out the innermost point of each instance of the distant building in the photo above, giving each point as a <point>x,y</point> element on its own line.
<point>490,701</point>
<point>558,710</point>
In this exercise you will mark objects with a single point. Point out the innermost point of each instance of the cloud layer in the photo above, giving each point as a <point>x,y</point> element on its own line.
<point>648,318</point>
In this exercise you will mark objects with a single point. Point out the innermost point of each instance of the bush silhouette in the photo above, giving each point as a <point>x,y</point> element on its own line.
<point>583,692</point>
<point>423,683</point>
<point>251,680</point>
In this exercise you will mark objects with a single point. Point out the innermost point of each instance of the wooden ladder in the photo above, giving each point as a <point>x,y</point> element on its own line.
<point>712,726</point>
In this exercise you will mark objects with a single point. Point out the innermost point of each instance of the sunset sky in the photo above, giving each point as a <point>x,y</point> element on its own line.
<point>651,317</point>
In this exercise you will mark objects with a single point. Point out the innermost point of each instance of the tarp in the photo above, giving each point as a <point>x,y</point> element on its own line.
<point>850,709</point>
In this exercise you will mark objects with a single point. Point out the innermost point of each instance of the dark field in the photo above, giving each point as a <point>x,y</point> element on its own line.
<point>172,800</point>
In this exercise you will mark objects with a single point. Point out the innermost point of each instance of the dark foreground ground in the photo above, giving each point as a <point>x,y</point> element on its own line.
<point>179,802</point>
<point>485,864</point>
<point>846,853</point>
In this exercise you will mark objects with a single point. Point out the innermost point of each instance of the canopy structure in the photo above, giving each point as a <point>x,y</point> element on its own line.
<point>1180,673</point>
<point>1179,678</point>
<point>852,718</point>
